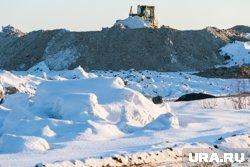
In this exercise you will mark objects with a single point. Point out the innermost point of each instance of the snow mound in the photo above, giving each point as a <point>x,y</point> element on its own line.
<point>21,84</point>
<point>77,73</point>
<point>38,68</point>
<point>95,108</point>
<point>98,99</point>
<point>247,36</point>
<point>239,53</point>
<point>47,132</point>
<point>134,23</point>
<point>14,144</point>
<point>42,70</point>
<point>240,141</point>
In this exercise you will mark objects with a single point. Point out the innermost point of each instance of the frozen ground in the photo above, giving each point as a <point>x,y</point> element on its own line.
<point>75,115</point>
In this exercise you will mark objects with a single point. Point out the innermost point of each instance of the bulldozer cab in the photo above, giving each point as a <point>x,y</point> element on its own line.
<point>147,13</point>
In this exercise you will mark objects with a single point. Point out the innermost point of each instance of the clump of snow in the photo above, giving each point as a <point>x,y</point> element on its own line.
<point>13,144</point>
<point>22,84</point>
<point>77,73</point>
<point>38,68</point>
<point>47,132</point>
<point>42,70</point>
<point>247,36</point>
<point>134,23</point>
<point>239,53</point>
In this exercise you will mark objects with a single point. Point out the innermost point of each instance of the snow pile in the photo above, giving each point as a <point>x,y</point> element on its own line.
<point>42,70</point>
<point>247,36</point>
<point>233,143</point>
<point>39,68</point>
<point>15,144</point>
<point>78,105</point>
<point>134,23</point>
<point>239,53</point>
<point>9,80</point>
<point>99,99</point>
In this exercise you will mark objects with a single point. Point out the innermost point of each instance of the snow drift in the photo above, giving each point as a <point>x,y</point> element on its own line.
<point>103,99</point>
<point>15,144</point>
<point>239,53</point>
<point>58,106</point>
<point>134,23</point>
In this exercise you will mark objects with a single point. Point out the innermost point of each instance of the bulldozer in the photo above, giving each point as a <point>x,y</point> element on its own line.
<point>146,13</point>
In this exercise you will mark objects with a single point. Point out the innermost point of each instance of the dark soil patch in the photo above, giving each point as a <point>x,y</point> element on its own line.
<point>157,100</point>
<point>195,96</point>
<point>227,72</point>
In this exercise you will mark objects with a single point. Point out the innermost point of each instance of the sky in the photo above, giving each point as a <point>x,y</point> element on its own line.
<point>90,15</point>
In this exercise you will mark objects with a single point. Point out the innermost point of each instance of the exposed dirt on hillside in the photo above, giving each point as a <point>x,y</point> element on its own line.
<point>227,72</point>
<point>241,28</point>
<point>116,48</point>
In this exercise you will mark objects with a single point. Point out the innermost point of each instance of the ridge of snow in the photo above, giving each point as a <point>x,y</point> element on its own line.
<point>134,23</point>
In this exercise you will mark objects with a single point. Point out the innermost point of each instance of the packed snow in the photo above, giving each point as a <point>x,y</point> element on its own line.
<point>248,36</point>
<point>239,53</point>
<point>172,85</point>
<point>134,23</point>
<point>74,118</point>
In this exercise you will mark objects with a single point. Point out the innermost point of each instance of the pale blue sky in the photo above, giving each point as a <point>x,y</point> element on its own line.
<point>84,15</point>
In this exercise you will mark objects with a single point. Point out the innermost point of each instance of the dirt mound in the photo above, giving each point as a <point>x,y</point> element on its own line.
<point>226,72</point>
<point>241,28</point>
<point>195,96</point>
<point>116,48</point>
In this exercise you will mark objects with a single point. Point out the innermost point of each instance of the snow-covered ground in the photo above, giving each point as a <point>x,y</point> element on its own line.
<point>75,118</point>
<point>239,53</point>
<point>172,85</point>
<point>60,116</point>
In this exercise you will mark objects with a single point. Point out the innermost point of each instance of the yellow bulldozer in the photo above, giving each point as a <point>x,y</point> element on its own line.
<point>146,13</point>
